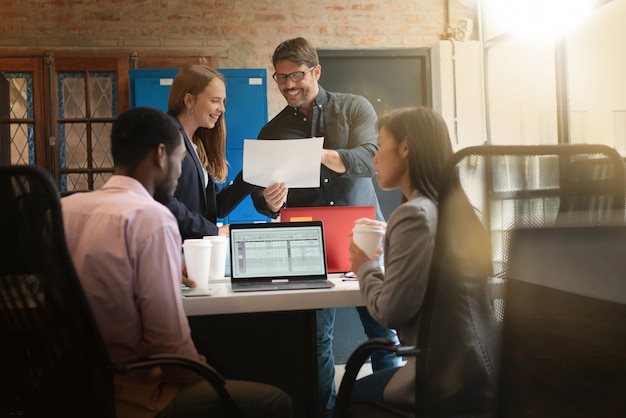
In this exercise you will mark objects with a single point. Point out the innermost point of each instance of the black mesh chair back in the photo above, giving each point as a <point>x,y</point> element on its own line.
<point>543,185</point>
<point>589,187</point>
<point>537,186</point>
<point>52,360</point>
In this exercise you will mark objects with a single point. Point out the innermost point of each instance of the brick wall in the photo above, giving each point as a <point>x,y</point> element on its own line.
<point>234,33</point>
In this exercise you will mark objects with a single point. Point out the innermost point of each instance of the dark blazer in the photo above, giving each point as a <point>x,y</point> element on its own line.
<point>197,208</point>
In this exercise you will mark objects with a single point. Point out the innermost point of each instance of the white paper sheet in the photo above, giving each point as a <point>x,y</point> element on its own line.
<point>295,162</point>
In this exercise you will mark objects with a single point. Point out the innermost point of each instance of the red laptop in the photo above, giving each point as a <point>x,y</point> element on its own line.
<point>338,222</point>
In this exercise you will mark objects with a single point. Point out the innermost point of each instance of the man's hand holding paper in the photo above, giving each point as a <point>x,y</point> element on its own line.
<point>294,162</point>
<point>275,196</point>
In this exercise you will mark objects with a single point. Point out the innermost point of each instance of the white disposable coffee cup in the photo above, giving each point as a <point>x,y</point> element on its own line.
<point>368,238</point>
<point>218,256</point>
<point>198,260</point>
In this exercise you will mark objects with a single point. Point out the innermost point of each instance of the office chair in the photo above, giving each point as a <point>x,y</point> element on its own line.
<point>534,187</point>
<point>455,364</point>
<point>509,186</point>
<point>53,361</point>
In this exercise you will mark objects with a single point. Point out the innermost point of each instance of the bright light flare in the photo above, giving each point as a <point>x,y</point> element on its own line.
<point>542,18</point>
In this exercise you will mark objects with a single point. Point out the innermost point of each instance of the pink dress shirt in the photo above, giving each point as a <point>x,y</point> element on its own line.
<point>126,249</point>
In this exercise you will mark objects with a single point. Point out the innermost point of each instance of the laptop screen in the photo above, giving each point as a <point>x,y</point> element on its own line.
<point>277,250</point>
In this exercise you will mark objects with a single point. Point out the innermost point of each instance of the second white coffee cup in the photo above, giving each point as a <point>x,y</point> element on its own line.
<point>198,260</point>
<point>218,256</point>
<point>368,238</point>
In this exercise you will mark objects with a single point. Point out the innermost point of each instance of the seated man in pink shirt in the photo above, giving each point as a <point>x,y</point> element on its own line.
<point>126,249</point>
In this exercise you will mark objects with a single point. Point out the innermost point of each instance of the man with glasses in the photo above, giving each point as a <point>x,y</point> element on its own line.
<point>348,124</point>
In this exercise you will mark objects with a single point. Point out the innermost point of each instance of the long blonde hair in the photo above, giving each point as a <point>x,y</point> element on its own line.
<point>211,143</point>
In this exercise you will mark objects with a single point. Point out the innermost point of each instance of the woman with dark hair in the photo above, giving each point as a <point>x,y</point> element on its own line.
<point>414,146</point>
<point>197,101</point>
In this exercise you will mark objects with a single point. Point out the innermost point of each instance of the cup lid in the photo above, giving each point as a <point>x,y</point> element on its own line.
<point>368,228</point>
<point>195,242</point>
<point>215,238</point>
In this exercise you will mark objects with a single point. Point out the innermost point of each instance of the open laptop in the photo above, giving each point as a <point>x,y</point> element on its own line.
<point>338,222</point>
<point>277,256</point>
<point>563,337</point>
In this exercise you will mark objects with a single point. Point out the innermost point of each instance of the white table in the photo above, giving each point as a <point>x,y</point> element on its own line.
<point>225,301</point>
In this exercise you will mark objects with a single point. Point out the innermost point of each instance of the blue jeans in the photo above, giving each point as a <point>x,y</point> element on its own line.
<point>326,362</point>
<point>380,359</point>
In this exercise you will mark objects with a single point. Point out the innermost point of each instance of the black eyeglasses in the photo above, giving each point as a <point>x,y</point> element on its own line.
<point>295,76</point>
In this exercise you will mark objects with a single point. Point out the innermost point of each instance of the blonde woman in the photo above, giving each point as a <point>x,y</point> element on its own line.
<point>197,101</point>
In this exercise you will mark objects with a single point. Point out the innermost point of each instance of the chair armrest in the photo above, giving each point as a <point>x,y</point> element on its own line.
<point>354,364</point>
<point>208,373</point>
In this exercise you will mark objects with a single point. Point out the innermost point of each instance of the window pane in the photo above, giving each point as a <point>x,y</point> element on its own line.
<point>20,114</point>
<point>20,95</point>
<point>596,66</point>
<point>74,152</point>
<point>102,95</point>
<point>521,93</point>
<point>22,151</point>
<point>101,145</point>
<point>72,95</point>
<point>87,108</point>
<point>76,181</point>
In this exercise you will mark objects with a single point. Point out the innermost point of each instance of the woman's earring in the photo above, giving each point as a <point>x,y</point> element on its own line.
<point>190,111</point>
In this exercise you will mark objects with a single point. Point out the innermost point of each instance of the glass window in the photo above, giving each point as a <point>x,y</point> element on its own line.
<point>596,72</point>
<point>20,117</point>
<point>87,105</point>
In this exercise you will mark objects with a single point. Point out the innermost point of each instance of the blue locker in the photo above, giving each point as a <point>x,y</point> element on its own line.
<point>151,87</point>
<point>246,113</point>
